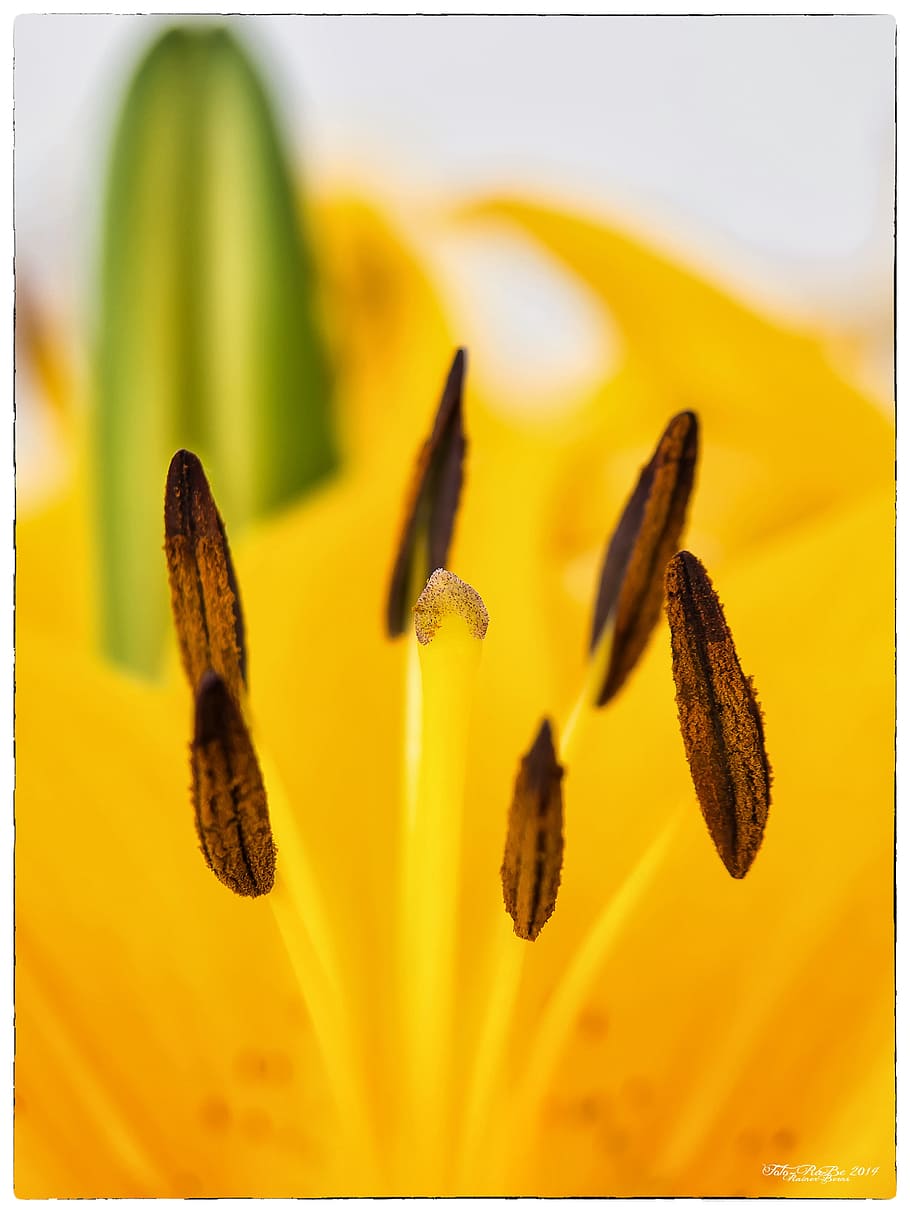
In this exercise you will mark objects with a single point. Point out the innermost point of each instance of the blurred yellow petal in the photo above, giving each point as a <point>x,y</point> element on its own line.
<point>779,952</point>
<point>767,393</point>
<point>54,544</point>
<point>114,908</point>
<point>387,324</point>
<point>720,1025</point>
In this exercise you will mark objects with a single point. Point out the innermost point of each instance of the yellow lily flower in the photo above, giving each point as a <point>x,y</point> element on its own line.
<point>671,1031</point>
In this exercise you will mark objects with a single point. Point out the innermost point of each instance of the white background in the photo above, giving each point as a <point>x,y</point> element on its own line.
<point>761,147</point>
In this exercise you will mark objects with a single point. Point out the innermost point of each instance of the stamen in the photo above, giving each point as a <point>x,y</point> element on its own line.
<point>232,816</point>
<point>531,872</point>
<point>488,1061</point>
<point>305,929</point>
<point>647,535</point>
<point>719,716</point>
<point>543,1050</point>
<point>204,596</point>
<point>532,863</point>
<point>432,503</point>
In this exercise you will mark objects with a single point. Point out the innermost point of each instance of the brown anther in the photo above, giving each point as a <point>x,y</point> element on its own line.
<point>204,597</point>
<point>232,817</point>
<point>647,535</point>
<point>432,503</point>
<point>719,716</point>
<point>532,863</point>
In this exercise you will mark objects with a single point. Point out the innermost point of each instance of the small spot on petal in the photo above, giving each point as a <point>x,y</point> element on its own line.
<point>593,1022</point>
<point>215,1114</point>
<point>186,1183</point>
<point>591,1108</point>
<point>784,1139</point>
<point>615,1140</point>
<point>251,1065</point>
<point>256,1124</point>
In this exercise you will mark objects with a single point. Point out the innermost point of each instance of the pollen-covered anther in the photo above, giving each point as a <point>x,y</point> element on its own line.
<point>232,817</point>
<point>719,716</point>
<point>443,597</point>
<point>204,596</point>
<point>532,863</point>
<point>647,535</point>
<point>432,502</point>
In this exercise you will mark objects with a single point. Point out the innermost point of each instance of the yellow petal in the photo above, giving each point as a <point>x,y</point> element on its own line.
<point>153,1011</point>
<point>733,999</point>
<point>726,1013</point>
<point>766,392</point>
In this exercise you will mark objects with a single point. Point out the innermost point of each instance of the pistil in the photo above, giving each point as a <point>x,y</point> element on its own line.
<point>450,623</point>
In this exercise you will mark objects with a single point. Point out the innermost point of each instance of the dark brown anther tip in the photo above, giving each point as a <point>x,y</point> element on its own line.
<point>719,716</point>
<point>185,481</point>
<point>204,596</point>
<point>647,534</point>
<point>232,818</point>
<point>532,863</point>
<point>432,503</point>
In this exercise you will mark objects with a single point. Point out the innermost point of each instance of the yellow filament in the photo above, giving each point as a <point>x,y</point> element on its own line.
<point>489,1058</point>
<point>303,925</point>
<point>806,921</point>
<point>491,1047</point>
<point>409,859</point>
<point>103,1098</point>
<point>413,714</point>
<point>448,666</point>
<point>413,692</point>
<point>595,673</point>
<point>565,1005</point>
